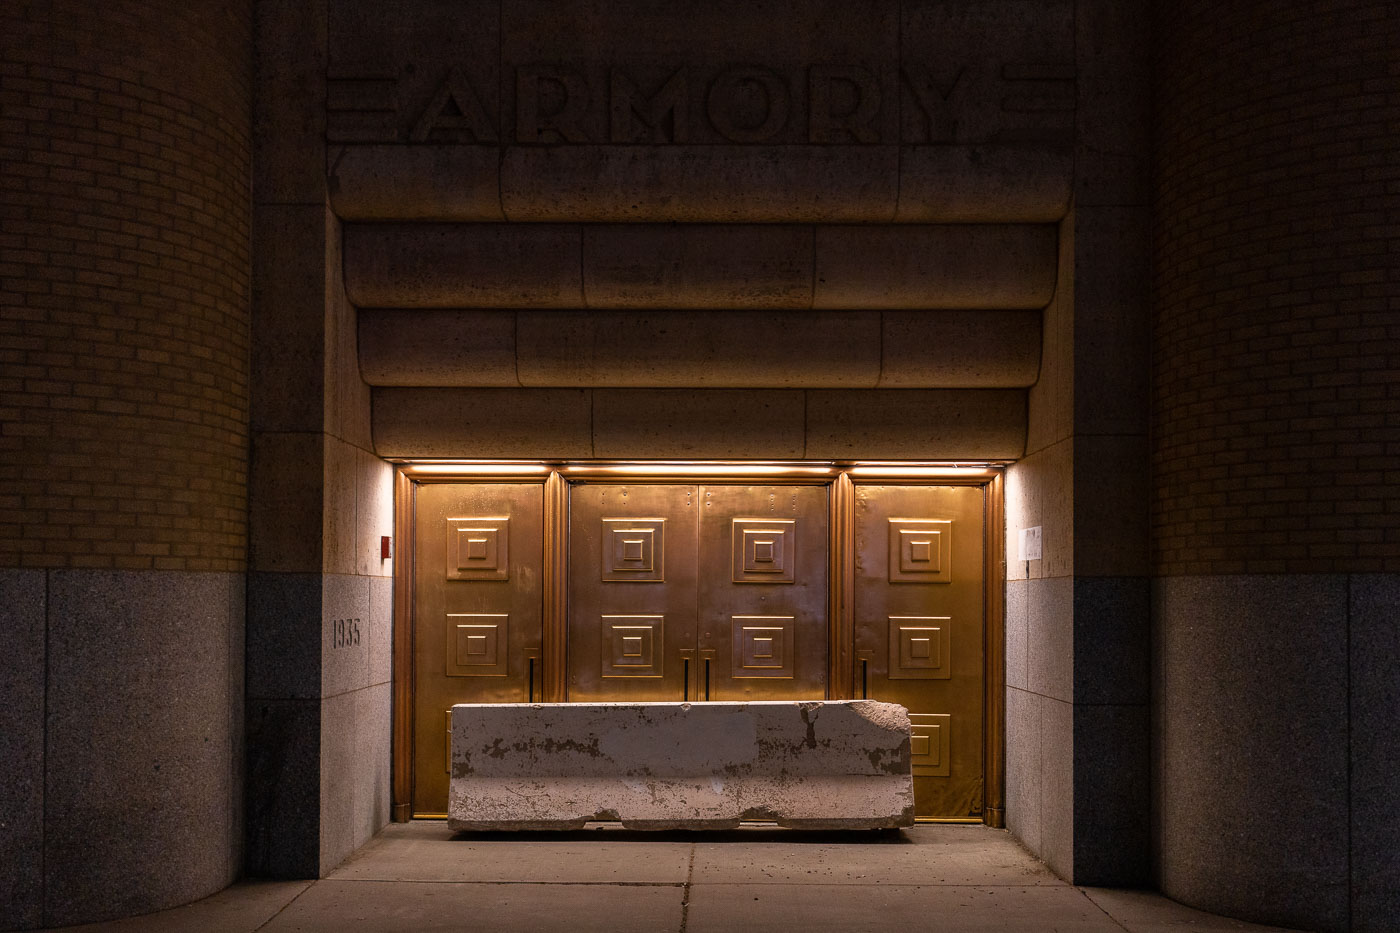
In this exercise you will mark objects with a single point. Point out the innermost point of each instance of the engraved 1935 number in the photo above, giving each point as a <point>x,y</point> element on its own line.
<point>345,633</point>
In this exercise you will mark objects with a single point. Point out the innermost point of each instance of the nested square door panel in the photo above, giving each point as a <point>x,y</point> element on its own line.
<point>919,631</point>
<point>478,560</point>
<point>680,591</point>
<point>763,594</point>
<point>632,579</point>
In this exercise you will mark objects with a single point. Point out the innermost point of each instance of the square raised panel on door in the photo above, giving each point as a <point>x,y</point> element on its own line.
<point>634,550</point>
<point>930,738</point>
<point>763,646</point>
<point>920,647</point>
<point>764,550</point>
<point>478,549</point>
<point>632,646</point>
<point>921,550</point>
<point>476,644</point>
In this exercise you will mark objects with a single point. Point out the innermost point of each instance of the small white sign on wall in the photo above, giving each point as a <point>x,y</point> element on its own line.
<point>1030,543</point>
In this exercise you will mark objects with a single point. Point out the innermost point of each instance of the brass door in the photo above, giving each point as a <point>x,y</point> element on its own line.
<point>919,630</point>
<point>763,592</point>
<point>632,574</point>
<point>478,559</point>
<point>695,591</point>
<point>682,591</point>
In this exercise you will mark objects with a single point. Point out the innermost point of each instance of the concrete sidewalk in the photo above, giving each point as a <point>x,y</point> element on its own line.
<point>419,876</point>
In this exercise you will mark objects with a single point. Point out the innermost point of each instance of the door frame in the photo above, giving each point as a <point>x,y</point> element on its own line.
<point>840,476</point>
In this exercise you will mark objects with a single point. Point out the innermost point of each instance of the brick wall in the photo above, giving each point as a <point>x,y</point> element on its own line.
<point>1276,404</point>
<point>124,284</point>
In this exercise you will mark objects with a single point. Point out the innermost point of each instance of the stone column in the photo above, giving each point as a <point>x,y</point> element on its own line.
<point>125,293</point>
<point>1276,422</point>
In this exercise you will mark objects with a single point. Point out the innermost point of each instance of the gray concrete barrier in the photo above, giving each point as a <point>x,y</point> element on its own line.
<point>805,765</point>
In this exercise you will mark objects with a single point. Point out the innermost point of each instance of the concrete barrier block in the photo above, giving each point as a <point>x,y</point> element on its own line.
<point>993,266</point>
<point>805,765</point>
<point>697,266</point>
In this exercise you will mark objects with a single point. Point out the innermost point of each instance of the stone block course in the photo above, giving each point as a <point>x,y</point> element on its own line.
<point>695,266</point>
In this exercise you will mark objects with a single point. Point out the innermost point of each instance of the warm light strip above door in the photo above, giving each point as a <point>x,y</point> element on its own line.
<point>493,469</point>
<point>916,471</point>
<point>701,469</point>
<point>868,469</point>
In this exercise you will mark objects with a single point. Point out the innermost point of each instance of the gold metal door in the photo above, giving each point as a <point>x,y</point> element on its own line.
<point>680,591</point>
<point>763,592</point>
<point>632,574</point>
<point>598,589</point>
<point>478,560</point>
<point>919,630</point>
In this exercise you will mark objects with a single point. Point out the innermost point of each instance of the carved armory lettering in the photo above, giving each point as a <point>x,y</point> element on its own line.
<point>743,104</point>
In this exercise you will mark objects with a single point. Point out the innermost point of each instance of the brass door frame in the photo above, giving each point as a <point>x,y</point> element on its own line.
<point>556,477</point>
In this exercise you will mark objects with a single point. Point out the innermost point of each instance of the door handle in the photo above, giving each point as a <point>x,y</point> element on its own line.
<point>862,684</point>
<point>533,669</point>
<point>687,655</point>
<point>707,656</point>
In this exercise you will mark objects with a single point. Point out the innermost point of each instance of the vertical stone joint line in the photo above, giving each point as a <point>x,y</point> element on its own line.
<point>812,294</point>
<point>685,891</point>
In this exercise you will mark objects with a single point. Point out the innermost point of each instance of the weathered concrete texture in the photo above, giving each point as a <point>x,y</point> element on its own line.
<point>914,423</point>
<point>482,423</point>
<point>983,184</point>
<point>463,265</point>
<point>808,765</point>
<point>687,423</point>
<point>439,347</point>
<point>748,266</point>
<point>1251,749</point>
<point>854,267</point>
<point>437,183</point>
<point>720,349</point>
<point>934,349</point>
<point>701,184</point>
<point>959,349</point>
<point>935,266</point>
<point>776,423</point>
